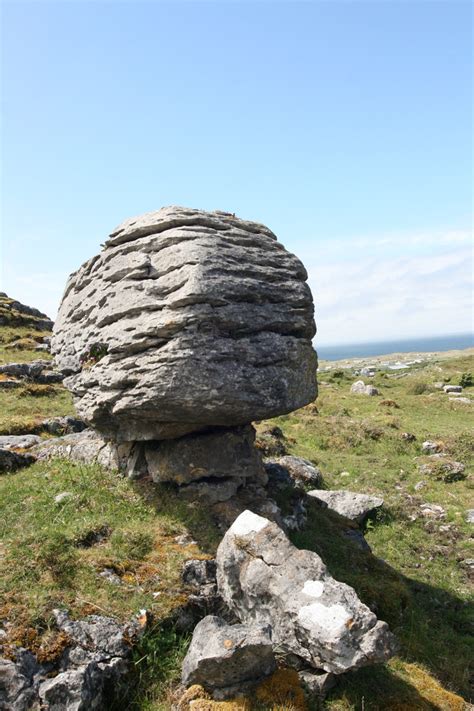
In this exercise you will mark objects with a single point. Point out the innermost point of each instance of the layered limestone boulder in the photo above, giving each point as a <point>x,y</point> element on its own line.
<point>265,580</point>
<point>187,320</point>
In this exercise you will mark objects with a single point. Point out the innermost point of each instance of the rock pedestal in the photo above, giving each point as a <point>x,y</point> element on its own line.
<point>186,322</point>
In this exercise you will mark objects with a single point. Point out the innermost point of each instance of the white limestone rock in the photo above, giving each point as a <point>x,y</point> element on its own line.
<point>264,579</point>
<point>186,319</point>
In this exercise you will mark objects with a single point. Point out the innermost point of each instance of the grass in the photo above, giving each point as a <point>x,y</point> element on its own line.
<point>52,554</point>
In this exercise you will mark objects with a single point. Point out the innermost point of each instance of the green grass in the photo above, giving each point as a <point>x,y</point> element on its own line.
<point>52,554</point>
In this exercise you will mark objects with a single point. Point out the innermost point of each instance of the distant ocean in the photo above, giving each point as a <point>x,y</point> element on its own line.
<point>411,345</point>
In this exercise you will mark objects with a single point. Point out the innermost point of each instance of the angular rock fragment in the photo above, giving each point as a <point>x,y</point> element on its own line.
<point>228,659</point>
<point>186,320</point>
<point>349,504</point>
<point>86,447</point>
<point>360,388</point>
<point>19,441</point>
<point>301,470</point>
<point>264,579</point>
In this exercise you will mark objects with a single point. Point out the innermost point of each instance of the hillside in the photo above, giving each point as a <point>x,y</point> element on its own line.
<point>85,538</point>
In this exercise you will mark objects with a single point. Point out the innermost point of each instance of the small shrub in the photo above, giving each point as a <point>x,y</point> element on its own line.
<point>93,354</point>
<point>466,380</point>
<point>418,388</point>
<point>57,556</point>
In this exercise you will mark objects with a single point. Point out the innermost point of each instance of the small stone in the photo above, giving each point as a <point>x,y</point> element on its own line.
<point>408,437</point>
<point>184,539</point>
<point>432,511</point>
<point>430,447</point>
<point>301,470</point>
<point>10,461</point>
<point>111,576</point>
<point>317,683</point>
<point>470,516</point>
<point>19,441</point>
<point>344,474</point>
<point>462,400</point>
<point>420,485</point>
<point>452,389</point>
<point>63,496</point>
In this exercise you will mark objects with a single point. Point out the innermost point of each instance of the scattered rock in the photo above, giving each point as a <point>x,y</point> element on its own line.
<point>63,496</point>
<point>86,447</point>
<point>228,659</point>
<point>19,441</point>
<point>345,474</point>
<point>463,400</point>
<point>111,576</point>
<point>301,470</point>
<point>186,319</point>
<point>10,461</point>
<point>37,371</point>
<point>357,538</point>
<point>271,442</point>
<point>420,485</point>
<point>62,425</point>
<point>88,675</point>
<point>360,388</point>
<point>432,511</point>
<point>408,437</point>
<point>349,504</point>
<point>470,516</point>
<point>430,447</point>
<point>442,468</point>
<point>452,388</point>
<point>264,579</point>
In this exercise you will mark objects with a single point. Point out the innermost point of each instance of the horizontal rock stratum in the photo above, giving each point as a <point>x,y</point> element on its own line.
<point>186,319</point>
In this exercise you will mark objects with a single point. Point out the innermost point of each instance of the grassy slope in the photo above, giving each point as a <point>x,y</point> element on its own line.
<point>421,588</point>
<point>417,582</point>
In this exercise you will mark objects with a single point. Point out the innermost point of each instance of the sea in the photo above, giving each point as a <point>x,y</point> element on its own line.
<point>408,345</point>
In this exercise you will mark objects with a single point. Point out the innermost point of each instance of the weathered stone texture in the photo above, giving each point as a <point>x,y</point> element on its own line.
<point>186,319</point>
<point>264,579</point>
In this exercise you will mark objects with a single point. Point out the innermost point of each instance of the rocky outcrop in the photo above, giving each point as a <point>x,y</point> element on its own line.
<point>37,371</point>
<point>88,674</point>
<point>356,507</point>
<point>265,580</point>
<point>86,447</point>
<point>14,313</point>
<point>185,320</point>
<point>228,659</point>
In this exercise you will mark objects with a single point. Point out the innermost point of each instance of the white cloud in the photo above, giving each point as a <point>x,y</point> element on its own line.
<point>376,298</point>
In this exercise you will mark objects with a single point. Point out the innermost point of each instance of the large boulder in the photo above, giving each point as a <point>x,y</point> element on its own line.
<point>266,580</point>
<point>186,319</point>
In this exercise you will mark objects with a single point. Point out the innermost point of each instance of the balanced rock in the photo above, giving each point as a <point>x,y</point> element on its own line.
<point>266,580</point>
<point>186,320</point>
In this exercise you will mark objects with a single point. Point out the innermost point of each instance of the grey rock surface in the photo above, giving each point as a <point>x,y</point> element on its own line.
<point>226,659</point>
<point>360,388</point>
<point>186,319</point>
<point>265,580</point>
<point>301,470</point>
<point>19,441</point>
<point>212,455</point>
<point>349,504</point>
<point>88,675</point>
<point>452,388</point>
<point>86,447</point>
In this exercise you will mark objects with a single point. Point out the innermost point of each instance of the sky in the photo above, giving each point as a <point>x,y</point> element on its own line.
<point>345,126</point>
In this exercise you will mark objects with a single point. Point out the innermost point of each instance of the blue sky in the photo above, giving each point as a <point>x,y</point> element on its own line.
<point>344,126</point>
